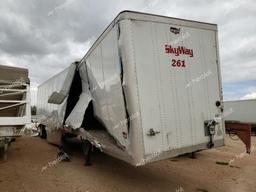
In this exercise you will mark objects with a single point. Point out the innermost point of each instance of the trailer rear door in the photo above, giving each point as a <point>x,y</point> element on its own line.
<point>178,83</point>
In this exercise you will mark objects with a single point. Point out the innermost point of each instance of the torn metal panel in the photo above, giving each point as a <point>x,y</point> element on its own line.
<point>75,119</point>
<point>130,87</point>
<point>58,97</point>
<point>105,143</point>
<point>52,99</point>
<point>84,78</point>
<point>105,73</point>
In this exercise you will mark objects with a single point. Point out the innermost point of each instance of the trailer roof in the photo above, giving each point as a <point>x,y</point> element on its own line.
<point>147,17</point>
<point>160,18</point>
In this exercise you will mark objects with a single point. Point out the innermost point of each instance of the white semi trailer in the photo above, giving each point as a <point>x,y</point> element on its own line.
<point>15,110</point>
<point>241,111</point>
<point>152,84</point>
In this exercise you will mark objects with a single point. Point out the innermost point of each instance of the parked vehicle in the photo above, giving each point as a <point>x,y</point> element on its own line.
<point>14,104</point>
<point>241,110</point>
<point>148,89</point>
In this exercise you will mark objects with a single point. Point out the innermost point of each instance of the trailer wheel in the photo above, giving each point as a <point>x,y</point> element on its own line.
<point>42,132</point>
<point>3,152</point>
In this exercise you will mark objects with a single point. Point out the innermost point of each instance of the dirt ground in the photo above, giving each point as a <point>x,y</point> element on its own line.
<point>29,155</point>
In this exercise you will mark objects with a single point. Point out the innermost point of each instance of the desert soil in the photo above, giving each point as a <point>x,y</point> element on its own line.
<point>27,170</point>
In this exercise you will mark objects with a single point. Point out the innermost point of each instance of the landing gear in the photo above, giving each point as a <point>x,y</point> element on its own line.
<point>193,155</point>
<point>42,132</point>
<point>87,148</point>
<point>65,152</point>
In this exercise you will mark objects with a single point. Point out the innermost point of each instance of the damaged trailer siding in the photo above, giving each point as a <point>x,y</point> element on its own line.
<point>52,102</point>
<point>62,101</point>
<point>104,69</point>
<point>152,107</point>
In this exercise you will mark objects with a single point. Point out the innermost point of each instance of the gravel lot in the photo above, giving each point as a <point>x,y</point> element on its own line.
<point>28,155</point>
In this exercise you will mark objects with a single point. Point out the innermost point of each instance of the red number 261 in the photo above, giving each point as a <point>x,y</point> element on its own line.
<point>178,63</point>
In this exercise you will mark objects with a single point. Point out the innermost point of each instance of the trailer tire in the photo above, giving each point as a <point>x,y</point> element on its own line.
<point>3,152</point>
<point>42,132</point>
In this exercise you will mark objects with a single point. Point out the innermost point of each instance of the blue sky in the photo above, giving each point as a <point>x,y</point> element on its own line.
<point>238,90</point>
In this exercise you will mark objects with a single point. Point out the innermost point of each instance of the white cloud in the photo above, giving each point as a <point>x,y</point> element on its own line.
<point>46,36</point>
<point>251,95</point>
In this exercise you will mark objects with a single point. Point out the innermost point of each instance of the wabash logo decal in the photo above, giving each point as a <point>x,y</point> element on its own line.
<point>175,30</point>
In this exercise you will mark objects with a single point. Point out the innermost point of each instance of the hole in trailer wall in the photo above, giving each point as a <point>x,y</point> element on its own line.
<point>74,93</point>
<point>89,121</point>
